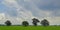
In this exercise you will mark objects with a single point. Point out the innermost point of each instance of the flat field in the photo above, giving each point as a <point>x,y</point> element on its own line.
<point>29,28</point>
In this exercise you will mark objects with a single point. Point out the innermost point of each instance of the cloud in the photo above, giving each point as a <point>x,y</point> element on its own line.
<point>31,6</point>
<point>56,13</point>
<point>49,4</point>
<point>1,1</point>
<point>35,5</point>
<point>22,10</point>
<point>2,16</point>
<point>54,20</point>
<point>15,12</point>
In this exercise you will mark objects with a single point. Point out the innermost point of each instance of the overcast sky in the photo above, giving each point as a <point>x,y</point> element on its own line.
<point>24,10</point>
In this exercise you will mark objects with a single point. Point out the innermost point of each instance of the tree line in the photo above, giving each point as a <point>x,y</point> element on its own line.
<point>44,22</point>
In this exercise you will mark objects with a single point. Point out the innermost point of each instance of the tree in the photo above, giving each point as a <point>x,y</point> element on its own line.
<point>25,23</point>
<point>35,21</point>
<point>44,22</point>
<point>8,23</point>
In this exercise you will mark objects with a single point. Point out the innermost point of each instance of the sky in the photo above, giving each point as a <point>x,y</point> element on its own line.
<point>24,10</point>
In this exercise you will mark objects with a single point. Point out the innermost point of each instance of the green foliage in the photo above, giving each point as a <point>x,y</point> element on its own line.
<point>29,28</point>
<point>35,21</point>
<point>8,23</point>
<point>45,22</point>
<point>25,23</point>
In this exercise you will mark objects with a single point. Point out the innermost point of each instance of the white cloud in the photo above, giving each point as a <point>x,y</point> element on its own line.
<point>27,10</point>
<point>2,16</point>
<point>54,20</point>
<point>11,3</point>
<point>22,13</point>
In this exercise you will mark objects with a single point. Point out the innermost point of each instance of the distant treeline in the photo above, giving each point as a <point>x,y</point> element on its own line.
<point>44,22</point>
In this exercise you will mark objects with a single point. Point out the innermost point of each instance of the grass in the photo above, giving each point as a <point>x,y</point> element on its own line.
<point>29,28</point>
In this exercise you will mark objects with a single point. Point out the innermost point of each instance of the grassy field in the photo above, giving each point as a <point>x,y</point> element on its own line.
<point>29,28</point>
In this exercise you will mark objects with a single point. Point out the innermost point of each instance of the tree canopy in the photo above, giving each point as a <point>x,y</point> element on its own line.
<point>25,23</point>
<point>45,22</point>
<point>8,23</point>
<point>35,21</point>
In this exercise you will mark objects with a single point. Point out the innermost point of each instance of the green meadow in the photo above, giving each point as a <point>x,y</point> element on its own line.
<point>30,28</point>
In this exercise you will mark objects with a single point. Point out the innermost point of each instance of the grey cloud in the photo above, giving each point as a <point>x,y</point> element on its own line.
<point>32,8</point>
